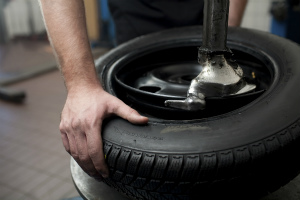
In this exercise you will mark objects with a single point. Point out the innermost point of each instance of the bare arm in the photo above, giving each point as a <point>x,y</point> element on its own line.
<point>87,103</point>
<point>236,12</point>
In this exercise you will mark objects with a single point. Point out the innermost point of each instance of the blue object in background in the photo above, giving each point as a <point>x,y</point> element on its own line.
<point>278,27</point>
<point>107,25</point>
<point>289,27</point>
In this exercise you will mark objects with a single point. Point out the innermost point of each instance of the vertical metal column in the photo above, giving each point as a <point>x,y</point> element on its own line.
<point>215,25</point>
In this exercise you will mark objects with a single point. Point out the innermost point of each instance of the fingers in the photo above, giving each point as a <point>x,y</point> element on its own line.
<point>87,149</point>
<point>83,156</point>
<point>129,114</point>
<point>81,129</point>
<point>75,145</point>
<point>73,151</point>
<point>95,150</point>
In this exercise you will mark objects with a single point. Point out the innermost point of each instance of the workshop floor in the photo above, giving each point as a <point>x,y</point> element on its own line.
<point>33,162</point>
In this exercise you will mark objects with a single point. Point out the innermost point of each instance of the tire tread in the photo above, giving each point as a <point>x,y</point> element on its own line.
<point>142,174</point>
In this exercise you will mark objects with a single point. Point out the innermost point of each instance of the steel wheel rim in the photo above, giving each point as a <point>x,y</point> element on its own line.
<point>136,93</point>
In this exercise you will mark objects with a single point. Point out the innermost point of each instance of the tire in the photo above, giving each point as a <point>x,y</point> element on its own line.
<point>241,153</point>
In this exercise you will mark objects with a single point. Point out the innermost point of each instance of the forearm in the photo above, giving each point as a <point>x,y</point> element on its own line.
<point>236,12</point>
<point>66,27</point>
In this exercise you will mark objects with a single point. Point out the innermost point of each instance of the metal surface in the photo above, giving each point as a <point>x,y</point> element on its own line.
<point>170,80</point>
<point>147,88</point>
<point>215,26</point>
<point>89,188</point>
<point>220,76</point>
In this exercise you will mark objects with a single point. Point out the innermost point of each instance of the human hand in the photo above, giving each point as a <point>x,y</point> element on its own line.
<point>81,122</point>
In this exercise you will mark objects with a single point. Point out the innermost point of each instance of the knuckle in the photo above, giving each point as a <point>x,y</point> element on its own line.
<point>84,158</point>
<point>93,153</point>
<point>88,124</point>
<point>92,122</point>
<point>62,127</point>
<point>75,125</point>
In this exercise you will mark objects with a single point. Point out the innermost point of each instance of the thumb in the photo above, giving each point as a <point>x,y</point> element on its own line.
<point>130,114</point>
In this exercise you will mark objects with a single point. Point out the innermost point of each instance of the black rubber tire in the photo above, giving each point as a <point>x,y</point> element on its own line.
<point>244,153</point>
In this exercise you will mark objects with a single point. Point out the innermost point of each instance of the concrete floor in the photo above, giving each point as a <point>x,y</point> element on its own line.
<point>33,163</point>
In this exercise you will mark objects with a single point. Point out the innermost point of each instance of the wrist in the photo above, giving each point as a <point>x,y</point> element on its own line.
<point>80,76</point>
<point>83,86</point>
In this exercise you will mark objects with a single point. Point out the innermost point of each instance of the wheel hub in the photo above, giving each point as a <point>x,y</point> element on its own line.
<point>169,80</point>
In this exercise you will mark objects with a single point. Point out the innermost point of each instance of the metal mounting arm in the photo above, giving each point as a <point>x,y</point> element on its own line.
<point>215,25</point>
<point>220,76</point>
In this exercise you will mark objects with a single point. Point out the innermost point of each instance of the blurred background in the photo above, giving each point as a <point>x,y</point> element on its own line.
<point>33,162</point>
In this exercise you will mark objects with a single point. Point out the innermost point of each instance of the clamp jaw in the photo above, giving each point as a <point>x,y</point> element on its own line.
<point>220,75</point>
